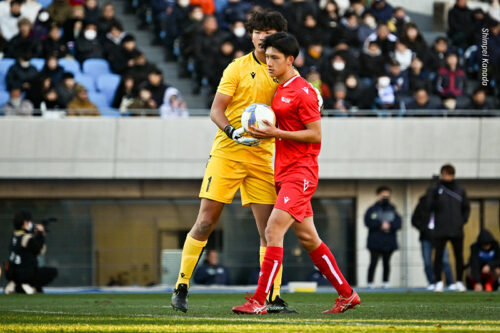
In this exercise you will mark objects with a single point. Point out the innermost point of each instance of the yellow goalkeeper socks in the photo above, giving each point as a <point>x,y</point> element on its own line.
<point>190,255</point>
<point>277,281</point>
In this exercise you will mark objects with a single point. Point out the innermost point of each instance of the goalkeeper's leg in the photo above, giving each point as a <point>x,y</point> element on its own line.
<point>193,247</point>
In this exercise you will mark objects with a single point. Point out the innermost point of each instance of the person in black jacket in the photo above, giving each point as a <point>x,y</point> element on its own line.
<point>448,201</point>
<point>28,242</point>
<point>382,221</point>
<point>423,221</point>
<point>484,263</point>
<point>460,23</point>
<point>211,272</point>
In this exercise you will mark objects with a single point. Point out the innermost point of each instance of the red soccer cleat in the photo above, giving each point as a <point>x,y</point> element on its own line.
<point>343,304</point>
<point>250,307</point>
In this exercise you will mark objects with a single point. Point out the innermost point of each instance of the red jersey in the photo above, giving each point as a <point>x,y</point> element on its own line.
<point>296,104</point>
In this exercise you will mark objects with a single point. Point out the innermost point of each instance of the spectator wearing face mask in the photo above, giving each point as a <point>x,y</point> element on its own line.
<point>8,22</point>
<point>240,38</point>
<point>382,221</point>
<point>17,106</point>
<point>385,93</point>
<point>87,45</point>
<point>367,27</point>
<point>334,70</point>
<point>21,74</point>
<point>42,25</point>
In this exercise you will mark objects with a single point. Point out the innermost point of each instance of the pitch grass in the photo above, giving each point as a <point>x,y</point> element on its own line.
<point>379,312</point>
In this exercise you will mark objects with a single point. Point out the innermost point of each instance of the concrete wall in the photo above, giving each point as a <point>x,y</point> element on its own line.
<point>353,148</point>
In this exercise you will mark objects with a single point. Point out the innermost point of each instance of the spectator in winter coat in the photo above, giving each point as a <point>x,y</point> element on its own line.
<point>382,221</point>
<point>484,263</point>
<point>23,42</point>
<point>17,106</point>
<point>66,89</point>
<point>412,37</point>
<point>437,55</point>
<point>54,45</point>
<point>372,61</point>
<point>448,201</point>
<point>80,105</point>
<point>8,22</point>
<point>423,221</point>
<point>211,272</point>
<point>478,101</point>
<point>60,11</point>
<point>451,79</point>
<point>87,45</point>
<point>384,39</point>
<point>460,23</point>
<point>381,10</point>
<point>21,74</point>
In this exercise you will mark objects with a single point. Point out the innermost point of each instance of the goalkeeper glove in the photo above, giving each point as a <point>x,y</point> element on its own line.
<point>237,136</point>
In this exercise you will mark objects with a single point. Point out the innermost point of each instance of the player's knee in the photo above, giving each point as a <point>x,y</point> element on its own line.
<point>272,235</point>
<point>204,227</point>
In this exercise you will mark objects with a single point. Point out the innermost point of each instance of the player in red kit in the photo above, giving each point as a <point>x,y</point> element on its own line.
<point>298,143</point>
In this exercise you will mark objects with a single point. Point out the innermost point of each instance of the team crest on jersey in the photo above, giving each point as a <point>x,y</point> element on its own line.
<point>253,75</point>
<point>286,199</point>
<point>285,100</point>
<point>306,184</point>
<point>306,90</point>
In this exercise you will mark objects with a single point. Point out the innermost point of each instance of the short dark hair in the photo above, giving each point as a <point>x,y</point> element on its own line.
<point>383,188</point>
<point>266,20</point>
<point>283,42</point>
<point>448,169</point>
<point>20,217</point>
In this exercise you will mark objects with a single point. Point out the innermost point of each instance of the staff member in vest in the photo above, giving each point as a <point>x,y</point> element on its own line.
<point>28,242</point>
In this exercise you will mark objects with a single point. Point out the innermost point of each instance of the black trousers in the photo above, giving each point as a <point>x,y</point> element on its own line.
<point>458,251</point>
<point>41,277</point>
<point>374,256</point>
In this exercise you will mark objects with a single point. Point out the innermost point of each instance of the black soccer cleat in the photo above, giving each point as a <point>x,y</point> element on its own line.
<point>279,306</point>
<point>180,298</point>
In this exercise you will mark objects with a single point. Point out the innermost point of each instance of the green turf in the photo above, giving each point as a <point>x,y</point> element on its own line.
<point>379,312</point>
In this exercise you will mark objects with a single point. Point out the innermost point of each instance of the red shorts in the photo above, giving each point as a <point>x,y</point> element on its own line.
<point>294,197</point>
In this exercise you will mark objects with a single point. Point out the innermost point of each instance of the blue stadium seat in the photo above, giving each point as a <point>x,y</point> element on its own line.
<point>70,65</point>
<point>95,67</point>
<point>86,81</point>
<point>107,84</point>
<point>45,3</point>
<point>110,112</point>
<point>99,99</point>
<point>5,64</point>
<point>4,98</point>
<point>38,63</point>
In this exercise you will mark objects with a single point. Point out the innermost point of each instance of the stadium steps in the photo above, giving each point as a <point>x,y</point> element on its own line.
<point>155,54</point>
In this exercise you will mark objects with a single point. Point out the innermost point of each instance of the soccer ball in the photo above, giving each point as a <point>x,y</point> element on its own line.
<point>255,114</point>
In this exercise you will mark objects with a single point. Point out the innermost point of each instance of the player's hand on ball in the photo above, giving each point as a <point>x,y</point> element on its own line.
<point>264,133</point>
<point>237,136</point>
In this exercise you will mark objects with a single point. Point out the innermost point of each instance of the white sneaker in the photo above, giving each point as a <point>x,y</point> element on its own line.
<point>371,286</point>
<point>28,289</point>
<point>431,287</point>
<point>452,287</point>
<point>385,285</point>
<point>10,288</point>
<point>460,287</point>
<point>439,287</point>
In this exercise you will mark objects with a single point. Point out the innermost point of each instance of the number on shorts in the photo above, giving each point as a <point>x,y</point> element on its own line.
<point>209,182</point>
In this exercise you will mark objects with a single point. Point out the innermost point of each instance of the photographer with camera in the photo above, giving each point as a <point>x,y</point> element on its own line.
<point>28,242</point>
<point>448,201</point>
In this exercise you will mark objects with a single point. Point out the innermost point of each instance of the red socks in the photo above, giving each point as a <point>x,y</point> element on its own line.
<point>268,270</point>
<point>323,258</point>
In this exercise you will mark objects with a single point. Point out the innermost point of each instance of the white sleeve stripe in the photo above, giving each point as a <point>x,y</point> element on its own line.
<point>328,262</point>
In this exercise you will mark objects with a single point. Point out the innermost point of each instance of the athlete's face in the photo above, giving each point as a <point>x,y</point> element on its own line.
<point>258,37</point>
<point>277,63</point>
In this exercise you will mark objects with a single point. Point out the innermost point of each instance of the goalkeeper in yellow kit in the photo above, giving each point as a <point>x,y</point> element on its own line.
<point>237,161</point>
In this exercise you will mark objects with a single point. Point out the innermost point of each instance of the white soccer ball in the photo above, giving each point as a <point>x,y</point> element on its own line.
<point>255,114</point>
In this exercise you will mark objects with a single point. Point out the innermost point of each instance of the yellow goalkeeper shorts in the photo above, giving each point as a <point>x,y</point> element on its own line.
<point>224,177</point>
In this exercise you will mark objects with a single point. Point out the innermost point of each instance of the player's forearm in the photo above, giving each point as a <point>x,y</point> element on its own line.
<point>217,112</point>
<point>307,135</point>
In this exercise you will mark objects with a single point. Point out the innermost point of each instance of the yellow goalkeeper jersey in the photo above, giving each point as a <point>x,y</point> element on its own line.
<point>245,79</point>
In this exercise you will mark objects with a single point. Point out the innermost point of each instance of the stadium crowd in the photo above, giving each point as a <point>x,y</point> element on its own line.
<point>74,55</point>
